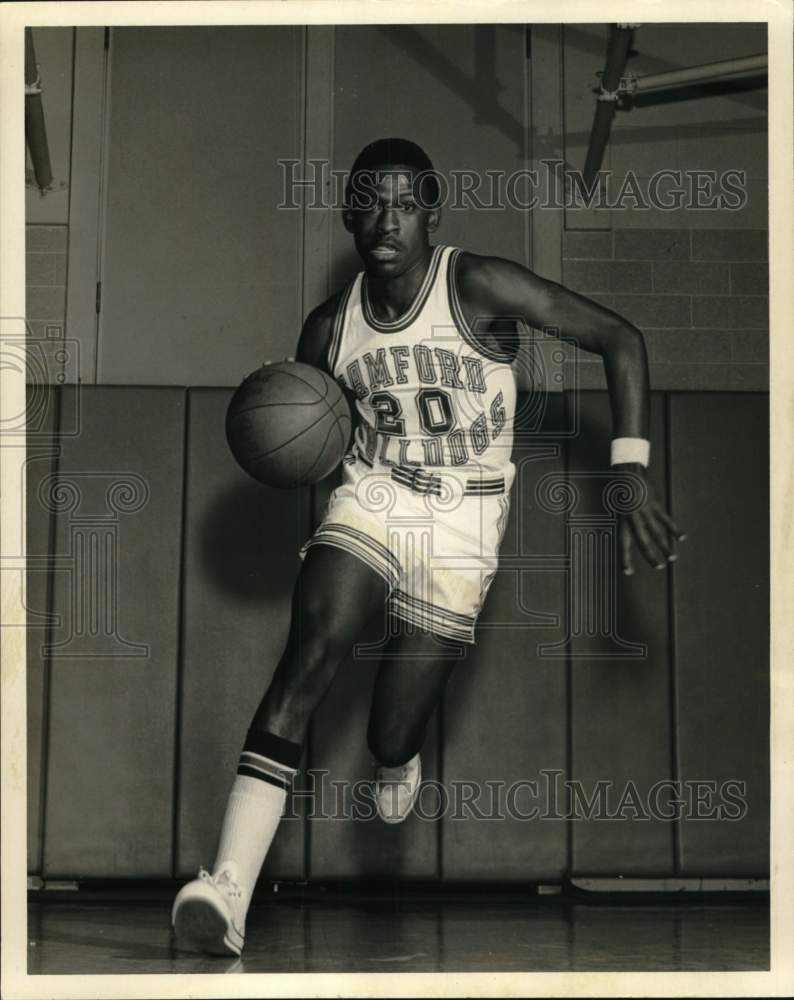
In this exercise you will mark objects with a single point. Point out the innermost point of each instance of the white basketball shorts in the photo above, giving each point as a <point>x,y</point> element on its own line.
<point>433,537</point>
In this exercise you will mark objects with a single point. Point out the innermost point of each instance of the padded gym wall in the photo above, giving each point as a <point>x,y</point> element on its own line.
<point>241,543</point>
<point>131,755</point>
<point>113,647</point>
<point>505,710</point>
<point>621,719</point>
<point>719,487</point>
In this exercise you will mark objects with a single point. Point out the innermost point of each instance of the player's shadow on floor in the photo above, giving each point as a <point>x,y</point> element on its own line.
<point>249,540</point>
<point>108,950</point>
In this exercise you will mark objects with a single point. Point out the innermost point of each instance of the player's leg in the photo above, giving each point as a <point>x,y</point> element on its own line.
<point>411,679</point>
<point>335,595</point>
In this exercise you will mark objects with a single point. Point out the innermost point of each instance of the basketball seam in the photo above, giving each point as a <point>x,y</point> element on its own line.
<point>303,430</point>
<point>299,379</point>
<point>328,410</point>
<point>264,406</point>
<point>320,452</point>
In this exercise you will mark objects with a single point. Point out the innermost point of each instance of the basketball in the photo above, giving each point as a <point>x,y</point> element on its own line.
<point>288,424</point>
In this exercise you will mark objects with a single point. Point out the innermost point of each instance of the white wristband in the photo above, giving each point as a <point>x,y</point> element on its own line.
<point>630,450</point>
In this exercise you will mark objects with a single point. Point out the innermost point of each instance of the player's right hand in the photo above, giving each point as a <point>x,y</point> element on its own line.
<point>266,363</point>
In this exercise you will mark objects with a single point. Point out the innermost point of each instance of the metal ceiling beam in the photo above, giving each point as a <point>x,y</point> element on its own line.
<point>615,83</point>
<point>620,37</point>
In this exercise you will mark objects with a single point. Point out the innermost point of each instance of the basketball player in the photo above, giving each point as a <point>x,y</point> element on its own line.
<point>418,519</point>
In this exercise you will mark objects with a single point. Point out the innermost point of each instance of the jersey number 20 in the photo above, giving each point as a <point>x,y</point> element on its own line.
<point>434,406</point>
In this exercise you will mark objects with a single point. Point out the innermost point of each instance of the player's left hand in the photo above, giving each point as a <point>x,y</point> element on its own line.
<point>648,526</point>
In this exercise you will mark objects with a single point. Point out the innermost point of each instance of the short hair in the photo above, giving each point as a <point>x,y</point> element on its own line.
<point>383,152</point>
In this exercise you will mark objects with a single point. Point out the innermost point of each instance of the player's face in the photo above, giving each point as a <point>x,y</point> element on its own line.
<point>389,227</point>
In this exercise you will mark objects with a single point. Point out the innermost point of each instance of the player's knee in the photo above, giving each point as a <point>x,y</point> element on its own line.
<point>317,650</point>
<point>315,635</point>
<point>316,658</point>
<point>394,745</point>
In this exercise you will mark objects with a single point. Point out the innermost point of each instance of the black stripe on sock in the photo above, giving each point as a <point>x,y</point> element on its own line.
<point>252,772</point>
<point>275,747</point>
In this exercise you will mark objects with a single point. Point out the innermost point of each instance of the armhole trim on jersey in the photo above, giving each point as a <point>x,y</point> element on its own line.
<point>338,328</point>
<point>457,314</point>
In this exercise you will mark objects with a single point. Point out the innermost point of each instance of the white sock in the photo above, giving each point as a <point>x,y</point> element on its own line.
<point>252,816</point>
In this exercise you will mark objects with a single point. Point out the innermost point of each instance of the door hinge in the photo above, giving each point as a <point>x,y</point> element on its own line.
<point>98,296</point>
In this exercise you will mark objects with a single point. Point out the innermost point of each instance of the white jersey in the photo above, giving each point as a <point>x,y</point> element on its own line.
<point>429,393</point>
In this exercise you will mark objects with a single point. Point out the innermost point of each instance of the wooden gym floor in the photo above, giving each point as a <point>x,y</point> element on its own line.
<point>346,930</point>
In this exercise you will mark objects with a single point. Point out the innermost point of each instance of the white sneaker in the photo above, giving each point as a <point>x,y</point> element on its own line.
<point>396,789</point>
<point>209,914</point>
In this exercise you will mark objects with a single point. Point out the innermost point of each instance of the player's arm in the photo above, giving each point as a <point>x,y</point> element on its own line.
<point>493,287</point>
<point>496,288</point>
<point>315,337</point>
<point>315,341</point>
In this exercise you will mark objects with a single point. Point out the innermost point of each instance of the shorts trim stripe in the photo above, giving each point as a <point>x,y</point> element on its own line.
<point>353,550</point>
<point>364,538</point>
<point>367,540</point>
<point>432,624</point>
<point>358,544</point>
<point>432,608</point>
<point>433,621</point>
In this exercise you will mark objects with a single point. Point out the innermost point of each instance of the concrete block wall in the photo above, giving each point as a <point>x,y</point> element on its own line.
<point>45,300</point>
<point>202,299</point>
<point>693,279</point>
<point>700,298</point>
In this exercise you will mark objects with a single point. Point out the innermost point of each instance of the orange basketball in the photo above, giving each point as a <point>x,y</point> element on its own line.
<point>288,424</point>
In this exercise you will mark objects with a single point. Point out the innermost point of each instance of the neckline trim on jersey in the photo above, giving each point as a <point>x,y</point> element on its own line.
<point>414,309</point>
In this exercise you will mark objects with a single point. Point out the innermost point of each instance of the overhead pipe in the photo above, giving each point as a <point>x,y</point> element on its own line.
<point>620,37</point>
<point>727,69</point>
<point>35,130</point>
